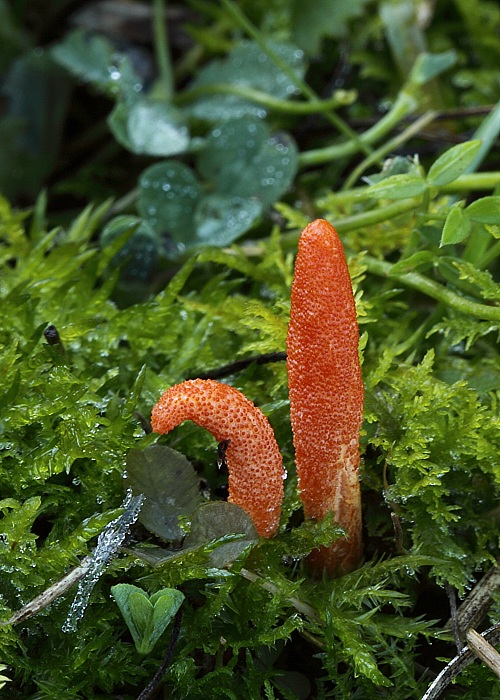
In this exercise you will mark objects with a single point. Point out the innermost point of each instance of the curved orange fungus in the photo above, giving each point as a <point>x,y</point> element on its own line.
<point>252,454</point>
<point>326,392</point>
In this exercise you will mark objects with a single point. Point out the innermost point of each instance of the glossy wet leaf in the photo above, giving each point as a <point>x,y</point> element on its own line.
<point>245,66</point>
<point>94,59</point>
<point>168,195</point>
<point>149,127</point>
<point>170,487</point>
<point>246,169</point>
<point>244,159</point>
<point>139,252</point>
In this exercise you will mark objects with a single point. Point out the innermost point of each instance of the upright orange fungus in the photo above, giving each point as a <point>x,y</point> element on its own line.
<point>252,454</point>
<point>326,392</point>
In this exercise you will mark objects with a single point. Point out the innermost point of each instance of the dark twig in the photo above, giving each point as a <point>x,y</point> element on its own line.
<point>148,691</point>
<point>239,365</point>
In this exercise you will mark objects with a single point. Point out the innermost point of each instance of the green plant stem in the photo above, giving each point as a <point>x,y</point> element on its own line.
<point>404,105</point>
<point>268,101</point>
<point>473,181</point>
<point>389,146</point>
<point>434,290</point>
<point>162,50</point>
<point>252,31</point>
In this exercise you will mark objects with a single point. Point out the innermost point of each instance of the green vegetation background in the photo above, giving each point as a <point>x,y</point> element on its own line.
<point>154,177</point>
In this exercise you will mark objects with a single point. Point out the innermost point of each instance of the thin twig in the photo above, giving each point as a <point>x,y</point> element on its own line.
<point>458,664</point>
<point>239,365</point>
<point>155,681</point>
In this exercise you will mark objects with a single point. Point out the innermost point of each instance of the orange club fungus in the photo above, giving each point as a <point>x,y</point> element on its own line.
<point>251,452</point>
<point>326,393</point>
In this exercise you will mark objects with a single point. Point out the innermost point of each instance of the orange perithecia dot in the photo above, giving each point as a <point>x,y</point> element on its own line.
<point>252,454</point>
<point>326,391</point>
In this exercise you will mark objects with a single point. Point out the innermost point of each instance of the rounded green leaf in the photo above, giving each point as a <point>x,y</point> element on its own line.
<point>456,227</point>
<point>170,487</point>
<point>246,66</point>
<point>221,219</point>
<point>168,195</point>
<point>452,163</point>
<point>141,250</point>
<point>149,127</point>
<point>243,159</point>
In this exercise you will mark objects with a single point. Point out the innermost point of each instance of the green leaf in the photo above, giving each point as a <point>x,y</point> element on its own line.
<point>94,59</point>
<point>147,618</point>
<point>247,170</point>
<point>140,248</point>
<point>149,127</point>
<point>452,163</point>
<point>168,195</point>
<point>397,187</point>
<point>485,210</point>
<point>456,227</point>
<point>214,520</point>
<point>429,66</point>
<point>315,19</point>
<point>245,66</point>
<point>243,159</point>
<point>220,219</point>
<point>169,484</point>
<point>418,261</point>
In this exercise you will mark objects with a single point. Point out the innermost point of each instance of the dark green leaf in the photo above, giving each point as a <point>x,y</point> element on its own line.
<point>169,484</point>
<point>246,66</point>
<point>315,19</point>
<point>243,159</point>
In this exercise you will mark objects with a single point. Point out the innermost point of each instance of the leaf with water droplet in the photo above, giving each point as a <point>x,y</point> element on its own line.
<point>94,59</point>
<point>140,248</point>
<point>149,127</point>
<point>170,487</point>
<point>244,159</point>
<point>246,66</point>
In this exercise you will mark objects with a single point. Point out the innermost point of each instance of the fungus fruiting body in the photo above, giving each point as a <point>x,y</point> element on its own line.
<point>326,392</point>
<point>252,455</point>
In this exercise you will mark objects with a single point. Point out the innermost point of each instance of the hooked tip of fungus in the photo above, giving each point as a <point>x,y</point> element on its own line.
<point>252,454</point>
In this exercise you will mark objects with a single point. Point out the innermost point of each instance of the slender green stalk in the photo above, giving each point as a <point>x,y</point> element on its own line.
<point>389,146</point>
<point>252,31</point>
<point>162,50</point>
<point>268,101</point>
<point>434,290</point>
<point>404,105</point>
<point>473,181</point>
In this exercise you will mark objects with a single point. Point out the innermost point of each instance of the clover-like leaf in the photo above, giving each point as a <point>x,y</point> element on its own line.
<point>141,250</point>
<point>243,159</point>
<point>149,127</point>
<point>245,66</point>
<point>147,618</point>
<point>170,487</point>
<point>247,169</point>
<point>94,59</point>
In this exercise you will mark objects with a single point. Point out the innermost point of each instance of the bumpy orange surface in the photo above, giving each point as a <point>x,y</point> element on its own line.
<point>326,390</point>
<point>253,457</point>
